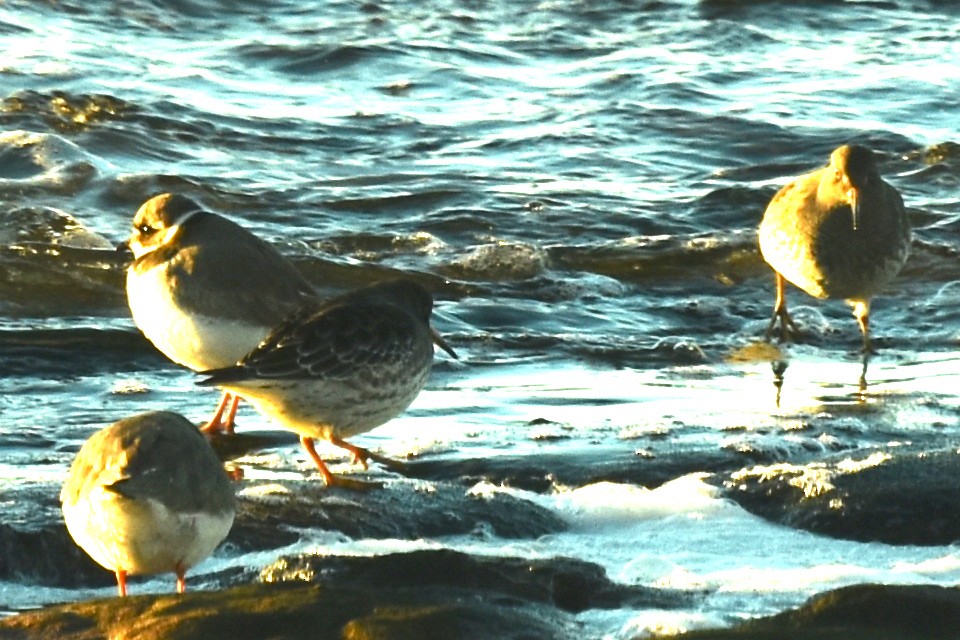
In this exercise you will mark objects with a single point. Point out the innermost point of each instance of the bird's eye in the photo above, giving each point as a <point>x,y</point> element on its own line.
<point>837,174</point>
<point>145,229</point>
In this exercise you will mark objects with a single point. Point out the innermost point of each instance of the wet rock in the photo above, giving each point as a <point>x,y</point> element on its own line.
<point>433,593</point>
<point>294,612</point>
<point>47,556</point>
<point>35,546</point>
<point>894,496</point>
<point>860,612</point>
<point>61,353</point>
<point>567,584</point>
<point>272,515</point>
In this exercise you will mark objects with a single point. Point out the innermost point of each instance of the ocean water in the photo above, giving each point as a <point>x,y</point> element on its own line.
<point>578,182</point>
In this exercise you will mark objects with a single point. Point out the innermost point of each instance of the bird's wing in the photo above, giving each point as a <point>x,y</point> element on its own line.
<point>173,463</point>
<point>246,276</point>
<point>332,342</point>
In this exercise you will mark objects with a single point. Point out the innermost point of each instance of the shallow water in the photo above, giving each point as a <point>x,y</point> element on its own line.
<point>579,183</point>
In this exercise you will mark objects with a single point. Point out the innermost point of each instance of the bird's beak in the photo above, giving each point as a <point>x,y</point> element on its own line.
<point>853,197</point>
<point>440,342</point>
<point>123,248</point>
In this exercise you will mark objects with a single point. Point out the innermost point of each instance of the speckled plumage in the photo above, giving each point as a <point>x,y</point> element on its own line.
<point>342,367</point>
<point>148,495</point>
<point>838,232</point>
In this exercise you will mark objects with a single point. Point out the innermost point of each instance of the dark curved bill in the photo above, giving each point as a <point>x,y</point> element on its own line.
<point>440,342</point>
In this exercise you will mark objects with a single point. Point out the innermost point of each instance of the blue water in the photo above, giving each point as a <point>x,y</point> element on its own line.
<point>579,183</point>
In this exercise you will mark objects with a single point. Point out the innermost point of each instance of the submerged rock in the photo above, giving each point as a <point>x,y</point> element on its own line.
<point>649,467</point>
<point>860,612</point>
<point>894,496</point>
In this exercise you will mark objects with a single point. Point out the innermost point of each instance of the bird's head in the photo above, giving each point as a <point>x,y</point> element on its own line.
<point>158,220</point>
<point>852,169</point>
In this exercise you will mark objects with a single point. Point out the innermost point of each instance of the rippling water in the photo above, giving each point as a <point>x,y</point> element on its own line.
<point>578,182</point>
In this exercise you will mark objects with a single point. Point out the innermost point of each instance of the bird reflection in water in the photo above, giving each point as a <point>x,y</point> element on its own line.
<point>779,368</point>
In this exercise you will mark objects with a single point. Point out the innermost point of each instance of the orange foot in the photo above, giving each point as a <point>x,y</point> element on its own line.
<point>221,423</point>
<point>181,572</point>
<point>359,455</point>
<point>328,478</point>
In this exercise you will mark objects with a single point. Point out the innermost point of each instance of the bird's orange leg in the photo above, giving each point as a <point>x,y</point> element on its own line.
<point>228,405</point>
<point>788,329</point>
<point>229,423</point>
<point>861,311</point>
<point>121,582</point>
<point>312,452</point>
<point>181,572</point>
<point>328,478</point>
<point>361,455</point>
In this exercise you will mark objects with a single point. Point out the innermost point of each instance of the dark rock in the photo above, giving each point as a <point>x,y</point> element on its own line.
<point>228,447</point>
<point>47,556</point>
<point>433,593</point>
<point>35,546</point>
<point>294,612</point>
<point>400,509</point>
<point>424,594</point>
<point>895,496</point>
<point>67,353</point>
<point>567,584</point>
<point>860,612</point>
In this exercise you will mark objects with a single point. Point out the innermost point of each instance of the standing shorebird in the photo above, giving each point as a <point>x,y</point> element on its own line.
<point>148,495</point>
<point>206,291</point>
<point>838,232</point>
<point>342,368</point>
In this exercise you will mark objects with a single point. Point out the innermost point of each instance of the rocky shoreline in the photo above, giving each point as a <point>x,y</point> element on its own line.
<point>896,494</point>
<point>529,603</point>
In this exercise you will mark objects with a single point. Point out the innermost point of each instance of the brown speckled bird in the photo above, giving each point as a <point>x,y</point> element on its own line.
<point>838,232</point>
<point>342,367</point>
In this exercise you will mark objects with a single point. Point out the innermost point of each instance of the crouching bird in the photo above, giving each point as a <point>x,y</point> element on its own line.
<point>148,495</point>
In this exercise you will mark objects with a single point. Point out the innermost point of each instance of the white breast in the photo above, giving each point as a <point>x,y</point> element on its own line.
<point>187,337</point>
<point>141,536</point>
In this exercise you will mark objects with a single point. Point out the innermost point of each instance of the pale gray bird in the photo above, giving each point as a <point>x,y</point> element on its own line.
<point>206,291</point>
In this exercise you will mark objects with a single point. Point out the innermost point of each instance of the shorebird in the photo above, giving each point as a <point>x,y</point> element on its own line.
<point>342,367</point>
<point>148,495</point>
<point>838,232</point>
<point>204,290</point>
